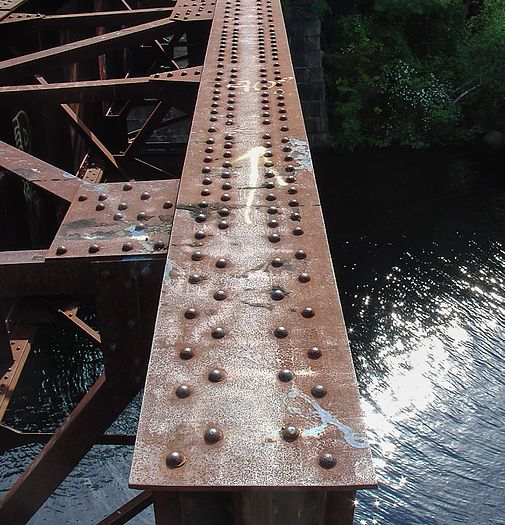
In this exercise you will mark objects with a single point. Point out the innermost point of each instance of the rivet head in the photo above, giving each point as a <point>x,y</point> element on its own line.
<point>300,254</point>
<point>327,461</point>
<point>213,435</point>
<point>298,231</point>
<point>190,313</point>
<point>295,216</point>
<point>223,225</point>
<point>127,186</point>
<point>271,197</point>
<point>199,234</point>
<point>308,312</point>
<point>290,433</point>
<point>93,248</point>
<point>82,198</point>
<point>145,195</point>
<point>122,206</point>
<point>314,353</point>
<point>318,391</point>
<point>102,197</point>
<point>167,205</point>
<point>221,263</point>
<point>225,197</point>
<point>274,237</point>
<point>159,245</point>
<point>272,223</point>
<point>183,391</point>
<point>197,256</point>
<point>217,333</point>
<point>269,174</point>
<point>142,216</point>
<point>216,375</point>
<point>175,460</point>
<point>100,206</point>
<point>272,210</point>
<point>61,250</point>
<point>201,217</point>
<point>127,246</point>
<point>193,279</point>
<point>220,295</point>
<point>304,277</point>
<point>277,263</point>
<point>277,295</point>
<point>224,212</point>
<point>280,332</point>
<point>286,375</point>
<point>118,216</point>
<point>186,353</point>
<point>203,204</point>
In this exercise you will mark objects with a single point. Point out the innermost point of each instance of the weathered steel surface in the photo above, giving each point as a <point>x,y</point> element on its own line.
<point>251,382</point>
<point>117,219</point>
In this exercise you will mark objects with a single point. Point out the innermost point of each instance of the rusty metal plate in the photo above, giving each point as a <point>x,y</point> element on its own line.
<point>193,10</point>
<point>251,382</point>
<point>117,219</point>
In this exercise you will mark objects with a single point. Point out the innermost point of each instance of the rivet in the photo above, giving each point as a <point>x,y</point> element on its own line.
<point>159,245</point>
<point>199,234</point>
<point>295,216</point>
<point>183,391</point>
<point>190,313</point>
<point>93,248</point>
<point>206,181</point>
<point>225,197</point>
<point>122,206</point>
<point>277,295</point>
<point>203,204</point>
<point>318,391</point>
<point>223,224</point>
<point>314,353</point>
<point>186,353</point>
<point>220,295</point>
<point>145,195</point>
<point>269,185</point>
<point>127,186</point>
<point>280,332</point>
<point>102,197</point>
<point>277,263</point>
<point>82,198</point>
<point>201,217</point>
<point>285,375</point>
<point>194,279</point>
<point>206,169</point>
<point>221,263</point>
<point>142,216</point>
<point>226,186</point>
<point>290,433</point>
<point>167,205</point>
<point>293,203</point>
<point>175,460</point>
<point>327,461</point>
<point>197,256</point>
<point>304,277</point>
<point>272,210</point>
<point>127,246</point>
<point>298,231</point>
<point>217,333</point>
<point>271,197</point>
<point>205,192</point>
<point>269,174</point>
<point>216,375</point>
<point>224,212</point>
<point>274,237</point>
<point>118,216</point>
<point>292,190</point>
<point>272,223</point>
<point>61,250</point>
<point>100,206</point>
<point>300,254</point>
<point>213,435</point>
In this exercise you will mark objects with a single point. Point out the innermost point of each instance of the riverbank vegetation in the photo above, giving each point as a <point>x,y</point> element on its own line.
<point>414,73</point>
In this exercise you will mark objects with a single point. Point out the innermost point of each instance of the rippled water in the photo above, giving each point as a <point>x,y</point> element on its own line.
<point>419,253</point>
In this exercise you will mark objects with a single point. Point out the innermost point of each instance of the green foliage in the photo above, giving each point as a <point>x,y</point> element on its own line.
<point>415,72</point>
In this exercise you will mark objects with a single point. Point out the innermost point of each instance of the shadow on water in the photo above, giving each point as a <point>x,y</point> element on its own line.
<point>418,246</point>
<point>419,255</point>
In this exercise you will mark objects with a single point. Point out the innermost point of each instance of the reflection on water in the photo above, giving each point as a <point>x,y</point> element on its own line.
<point>421,270</point>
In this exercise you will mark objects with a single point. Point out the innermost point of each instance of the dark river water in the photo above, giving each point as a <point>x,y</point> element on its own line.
<point>418,246</point>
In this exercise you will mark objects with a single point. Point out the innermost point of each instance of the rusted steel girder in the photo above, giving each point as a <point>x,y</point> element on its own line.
<point>251,382</point>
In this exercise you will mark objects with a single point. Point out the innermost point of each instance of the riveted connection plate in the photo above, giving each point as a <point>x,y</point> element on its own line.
<point>193,10</point>
<point>117,219</point>
<point>251,382</point>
